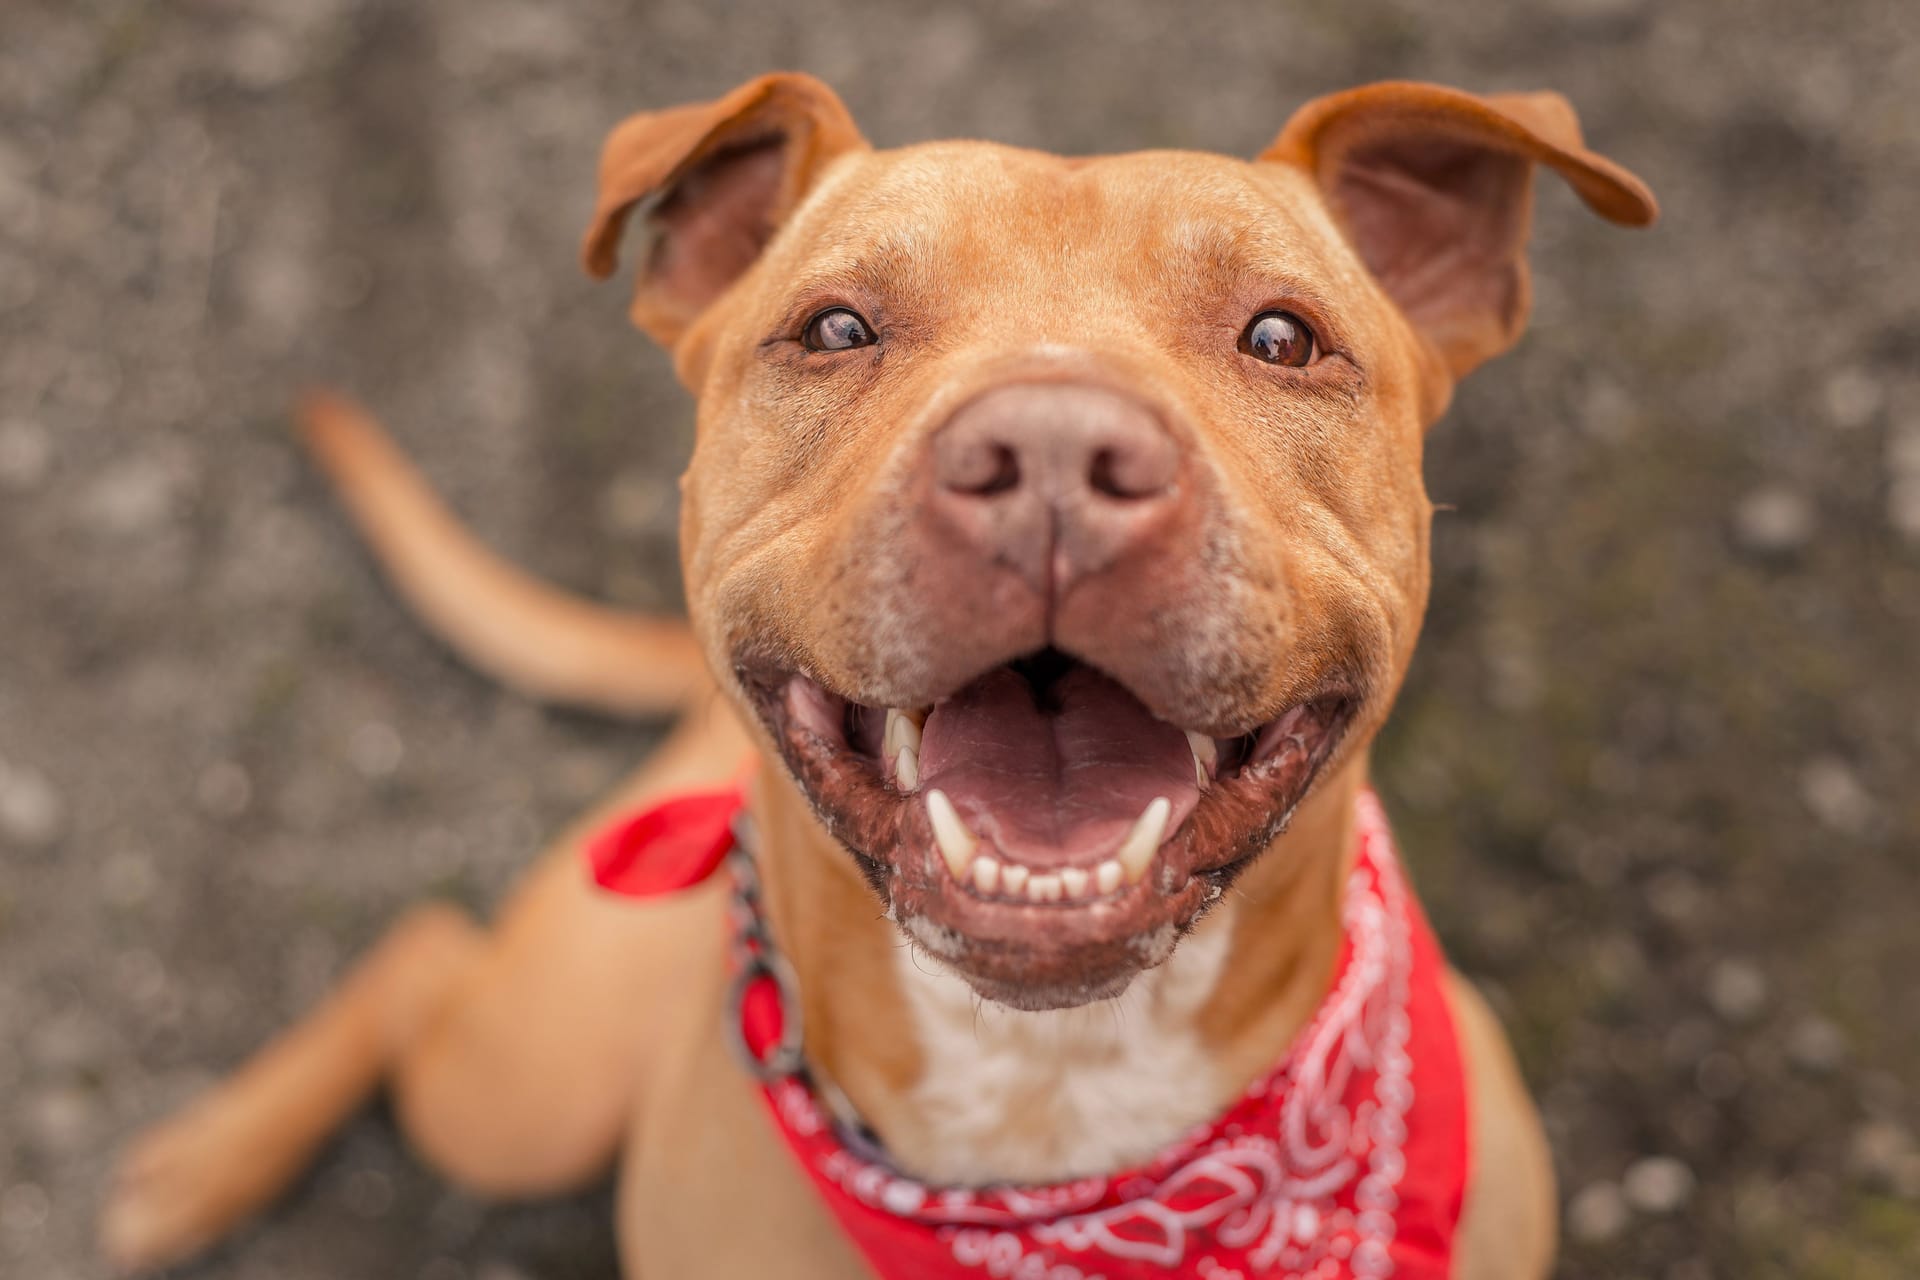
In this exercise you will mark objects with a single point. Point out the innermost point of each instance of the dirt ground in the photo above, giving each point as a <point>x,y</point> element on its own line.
<point>1654,770</point>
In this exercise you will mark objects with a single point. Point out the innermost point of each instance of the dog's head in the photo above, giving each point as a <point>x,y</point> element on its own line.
<point>1060,520</point>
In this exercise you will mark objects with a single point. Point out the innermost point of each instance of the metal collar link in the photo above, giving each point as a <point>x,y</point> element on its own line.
<point>756,958</point>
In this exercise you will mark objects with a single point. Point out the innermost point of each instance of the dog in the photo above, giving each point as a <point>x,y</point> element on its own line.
<point>1055,543</point>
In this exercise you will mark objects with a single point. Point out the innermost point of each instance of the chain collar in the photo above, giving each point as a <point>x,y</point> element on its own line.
<point>756,959</point>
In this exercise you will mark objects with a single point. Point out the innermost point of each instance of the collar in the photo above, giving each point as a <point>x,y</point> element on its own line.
<point>1348,1159</point>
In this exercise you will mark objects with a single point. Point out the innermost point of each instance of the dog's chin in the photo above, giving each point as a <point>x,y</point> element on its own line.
<point>1038,831</point>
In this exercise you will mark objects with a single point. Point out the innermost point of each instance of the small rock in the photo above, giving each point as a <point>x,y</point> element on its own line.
<point>1760,1207</point>
<point>71,1041</point>
<point>23,1209</point>
<point>1676,897</point>
<point>31,811</point>
<point>143,979</point>
<point>1824,92</point>
<point>1607,411</point>
<point>26,456</point>
<point>262,57</point>
<point>223,790</point>
<point>1852,398</point>
<point>635,504</point>
<point>277,288</point>
<point>1618,964</point>
<point>1903,450</point>
<point>63,1118</point>
<point>1815,1045</point>
<point>1835,795</point>
<point>1515,678</point>
<point>1773,521</point>
<point>1597,1213</point>
<point>1657,1184</point>
<point>1737,990</point>
<point>375,750</point>
<point>499,1271</point>
<point>131,498</point>
<point>1903,507</point>
<point>128,878</point>
<point>442,1269</point>
<point>1882,1154</point>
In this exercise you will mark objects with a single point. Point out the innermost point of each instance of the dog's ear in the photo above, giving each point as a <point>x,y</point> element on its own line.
<point>717,179</point>
<point>1434,189</point>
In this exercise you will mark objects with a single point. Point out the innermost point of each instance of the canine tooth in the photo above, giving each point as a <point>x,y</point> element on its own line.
<point>1044,888</point>
<point>903,730</point>
<point>1136,851</point>
<point>1074,881</point>
<point>1013,878</point>
<point>1106,876</point>
<point>986,874</point>
<point>1205,752</point>
<point>906,769</point>
<point>956,842</point>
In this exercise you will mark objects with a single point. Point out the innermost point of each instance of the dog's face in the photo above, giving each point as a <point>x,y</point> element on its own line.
<point>1060,521</point>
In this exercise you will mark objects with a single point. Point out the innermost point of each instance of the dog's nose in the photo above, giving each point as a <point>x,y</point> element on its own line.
<point>1057,480</point>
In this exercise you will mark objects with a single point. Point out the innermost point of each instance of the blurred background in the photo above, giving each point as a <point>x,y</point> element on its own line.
<point>1654,769</point>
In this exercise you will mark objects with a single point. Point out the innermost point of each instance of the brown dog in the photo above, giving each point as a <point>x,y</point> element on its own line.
<point>1056,532</point>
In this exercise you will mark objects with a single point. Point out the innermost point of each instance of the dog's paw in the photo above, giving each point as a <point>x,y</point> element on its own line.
<point>187,1181</point>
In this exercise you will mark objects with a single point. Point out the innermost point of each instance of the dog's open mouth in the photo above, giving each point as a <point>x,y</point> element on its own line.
<point>1039,829</point>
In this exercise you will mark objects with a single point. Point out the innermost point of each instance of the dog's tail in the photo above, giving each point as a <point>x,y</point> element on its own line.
<point>531,636</point>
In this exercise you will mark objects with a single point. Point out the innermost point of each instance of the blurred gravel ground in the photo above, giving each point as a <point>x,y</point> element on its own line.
<point>1654,768</point>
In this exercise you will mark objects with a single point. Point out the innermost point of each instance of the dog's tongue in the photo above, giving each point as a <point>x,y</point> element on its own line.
<point>1059,780</point>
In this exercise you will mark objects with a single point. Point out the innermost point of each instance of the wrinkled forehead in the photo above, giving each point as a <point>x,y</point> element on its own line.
<point>987,220</point>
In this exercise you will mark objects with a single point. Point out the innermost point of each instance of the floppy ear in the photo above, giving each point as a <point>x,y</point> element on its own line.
<point>718,179</point>
<point>1434,188</point>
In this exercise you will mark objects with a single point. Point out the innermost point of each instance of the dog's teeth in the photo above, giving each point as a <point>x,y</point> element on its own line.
<point>1136,852</point>
<point>906,769</point>
<point>1013,878</point>
<point>986,874</point>
<point>1205,752</point>
<point>956,842</point>
<point>1107,876</point>
<point>1044,888</point>
<point>1074,881</point>
<point>903,730</point>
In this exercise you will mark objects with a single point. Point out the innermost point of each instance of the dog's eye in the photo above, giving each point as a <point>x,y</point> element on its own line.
<point>837,329</point>
<point>1278,337</point>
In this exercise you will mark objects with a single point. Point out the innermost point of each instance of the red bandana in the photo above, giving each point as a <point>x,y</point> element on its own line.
<point>1349,1159</point>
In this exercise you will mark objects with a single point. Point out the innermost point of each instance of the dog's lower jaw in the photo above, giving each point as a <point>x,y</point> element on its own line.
<point>951,952</point>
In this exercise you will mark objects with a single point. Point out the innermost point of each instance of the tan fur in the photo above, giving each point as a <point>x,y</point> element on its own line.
<point>577,1029</point>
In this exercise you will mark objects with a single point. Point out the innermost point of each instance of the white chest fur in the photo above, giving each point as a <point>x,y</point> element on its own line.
<point>1039,1097</point>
